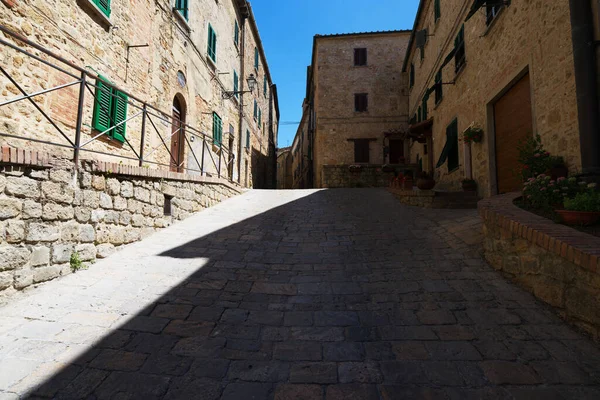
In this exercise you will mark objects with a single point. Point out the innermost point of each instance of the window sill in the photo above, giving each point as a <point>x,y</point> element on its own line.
<point>492,23</point>
<point>97,12</point>
<point>182,20</point>
<point>451,171</point>
<point>211,62</point>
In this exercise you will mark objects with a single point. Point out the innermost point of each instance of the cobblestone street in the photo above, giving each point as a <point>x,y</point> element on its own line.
<point>340,295</point>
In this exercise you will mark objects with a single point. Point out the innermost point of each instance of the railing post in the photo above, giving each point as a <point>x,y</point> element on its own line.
<point>79,118</point>
<point>203,147</point>
<point>144,112</point>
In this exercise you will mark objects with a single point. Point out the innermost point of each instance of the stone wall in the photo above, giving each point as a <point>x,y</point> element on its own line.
<point>558,264</point>
<point>340,176</point>
<point>49,209</point>
<point>533,35</point>
<point>418,198</point>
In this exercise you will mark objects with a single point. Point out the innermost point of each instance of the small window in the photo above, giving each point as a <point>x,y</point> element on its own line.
<point>212,43</point>
<point>425,112</point>
<point>361,150</point>
<point>265,86</point>
<point>360,57</point>
<point>459,45</point>
<point>439,87</point>
<point>217,130</point>
<point>259,118</point>
<point>110,110</point>
<point>437,10</point>
<point>256,58</point>
<point>411,78</point>
<point>181,6</point>
<point>255,110</point>
<point>236,84</point>
<point>247,139</point>
<point>103,5</point>
<point>167,205</point>
<point>492,12</point>
<point>361,102</point>
<point>236,34</point>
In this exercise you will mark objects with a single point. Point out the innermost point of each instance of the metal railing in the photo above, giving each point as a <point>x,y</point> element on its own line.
<point>219,155</point>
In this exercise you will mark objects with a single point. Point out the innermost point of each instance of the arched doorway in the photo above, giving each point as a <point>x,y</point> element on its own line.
<point>178,134</point>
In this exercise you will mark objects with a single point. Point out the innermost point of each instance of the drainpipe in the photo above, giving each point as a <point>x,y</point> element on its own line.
<point>584,58</point>
<point>242,88</point>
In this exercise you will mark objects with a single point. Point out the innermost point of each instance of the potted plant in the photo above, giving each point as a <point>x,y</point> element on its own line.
<point>473,135</point>
<point>425,181</point>
<point>558,168</point>
<point>354,168</point>
<point>469,185</point>
<point>583,209</point>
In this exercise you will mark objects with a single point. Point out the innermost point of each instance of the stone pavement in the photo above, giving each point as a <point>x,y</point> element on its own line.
<point>339,294</point>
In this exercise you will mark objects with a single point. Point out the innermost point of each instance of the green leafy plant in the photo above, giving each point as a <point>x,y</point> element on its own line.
<point>75,261</point>
<point>556,162</point>
<point>533,158</point>
<point>473,135</point>
<point>544,193</point>
<point>587,202</point>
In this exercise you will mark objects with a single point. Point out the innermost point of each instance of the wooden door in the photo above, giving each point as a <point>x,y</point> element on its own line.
<point>396,151</point>
<point>513,124</point>
<point>177,137</point>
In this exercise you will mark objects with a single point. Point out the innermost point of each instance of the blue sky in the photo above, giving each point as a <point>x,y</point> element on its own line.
<point>287,28</point>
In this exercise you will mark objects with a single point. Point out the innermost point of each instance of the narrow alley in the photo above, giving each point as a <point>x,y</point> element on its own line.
<point>314,294</point>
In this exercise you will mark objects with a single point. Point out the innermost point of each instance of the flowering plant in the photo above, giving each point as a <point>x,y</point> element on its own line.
<point>473,135</point>
<point>533,158</point>
<point>544,193</point>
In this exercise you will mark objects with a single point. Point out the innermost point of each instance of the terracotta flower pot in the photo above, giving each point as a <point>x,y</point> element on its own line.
<point>578,217</point>
<point>425,184</point>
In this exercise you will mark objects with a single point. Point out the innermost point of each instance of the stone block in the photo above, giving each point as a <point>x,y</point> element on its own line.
<point>2,183</point>
<point>87,234</point>
<point>40,256</point>
<point>98,182</point>
<point>6,279</point>
<point>119,203</point>
<point>60,193</point>
<point>90,199</point>
<point>61,253</point>
<point>83,214</point>
<point>103,233</point>
<point>132,235</point>
<point>134,206</point>
<point>125,218</point>
<point>113,186</point>
<point>13,257</point>
<point>126,189</point>
<point>23,187</point>
<point>31,209</point>
<point>69,232</point>
<point>40,232</point>
<point>43,274</point>
<point>87,252</point>
<point>23,278</point>
<point>15,231</point>
<point>53,211</point>
<point>138,220</point>
<point>169,189</point>
<point>106,201</point>
<point>142,194</point>
<point>105,250</point>
<point>112,217</point>
<point>10,208</point>
<point>98,215</point>
<point>61,176</point>
<point>116,235</point>
<point>162,222</point>
<point>85,179</point>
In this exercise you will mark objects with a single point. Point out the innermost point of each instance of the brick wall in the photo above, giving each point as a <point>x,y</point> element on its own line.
<point>49,209</point>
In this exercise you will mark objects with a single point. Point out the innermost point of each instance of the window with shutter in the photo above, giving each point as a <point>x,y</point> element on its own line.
<point>492,12</point>
<point>120,101</point>
<point>236,34</point>
<point>452,137</point>
<point>437,10</point>
<point>425,111</point>
<point>361,102</point>
<point>217,130</point>
<point>212,43</point>
<point>439,88</point>
<point>259,118</point>
<point>102,119</point>
<point>181,6</point>
<point>247,139</point>
<point>459,50</point>
<point>236,84</point>
<point>256,58</point>
<point>103,5</point>
<point>255,110</point>
<point>360,57</point>
<point>265,86</point>
<point>411,78</point>
<point>361,150</point>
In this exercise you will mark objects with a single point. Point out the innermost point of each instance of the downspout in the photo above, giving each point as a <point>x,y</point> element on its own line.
<point>242,83</point>
<point>584,57</point>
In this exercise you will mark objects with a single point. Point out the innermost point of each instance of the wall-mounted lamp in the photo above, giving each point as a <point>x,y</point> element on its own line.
<point>252,82</point>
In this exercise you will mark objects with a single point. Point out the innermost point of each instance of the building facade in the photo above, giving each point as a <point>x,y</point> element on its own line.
<point>160,85</point>
<point>355,107</point>
<point>284,168</point>
<point>509,69</point>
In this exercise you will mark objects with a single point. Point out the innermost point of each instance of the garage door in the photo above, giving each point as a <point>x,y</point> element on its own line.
<point>512,119</point>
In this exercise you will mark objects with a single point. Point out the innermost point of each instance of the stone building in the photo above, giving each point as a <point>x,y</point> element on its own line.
<point>355,108</point>
<point>180,61</point>
<point>510,69</point>
<point>284,168</point>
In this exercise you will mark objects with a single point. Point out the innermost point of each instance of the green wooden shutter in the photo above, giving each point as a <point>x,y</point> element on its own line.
<point>236,34</point>
<point>182,7</point>
<point>439,88</point>
<point>217,130</point>
<point>247,139</point>
<point>255,110</point>
<point>236,83</point>
<point>119,115</point>
<point>437,10</point>
<point>212,43</point>
<point>425,112</point>
<point>103,100</point>
<point>412,75</point>
<point>259,118</point>
<point>265,86</point>
<point>103,5</point>
<point>256,58</point>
